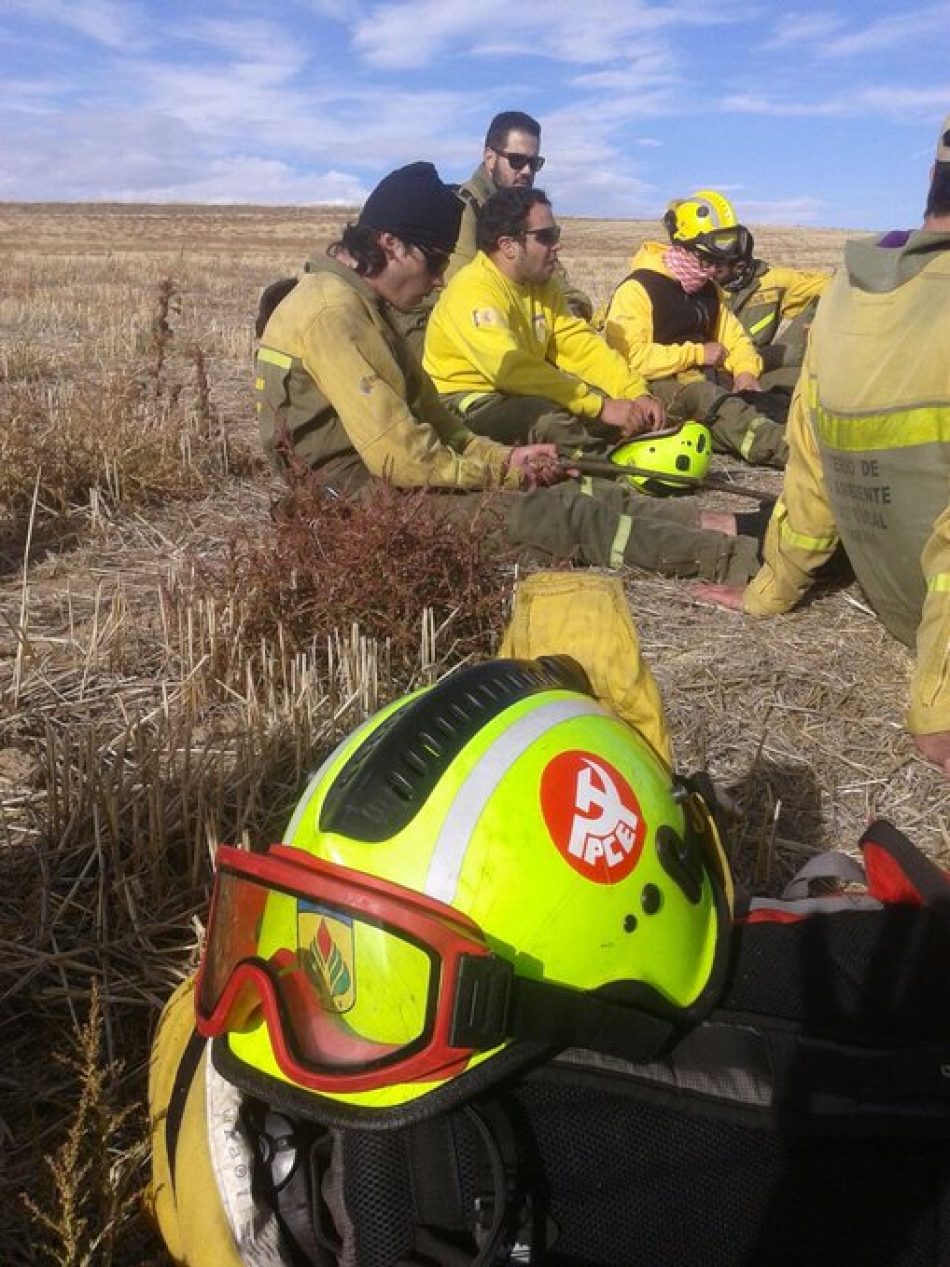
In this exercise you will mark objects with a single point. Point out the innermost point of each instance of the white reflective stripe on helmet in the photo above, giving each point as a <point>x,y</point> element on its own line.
<point>448,856</point>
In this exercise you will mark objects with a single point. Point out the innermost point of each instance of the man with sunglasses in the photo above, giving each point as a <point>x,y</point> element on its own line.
<point>506,354</point>
<point>669,317</point>
<point>339,391</point>
<point>511,161</point>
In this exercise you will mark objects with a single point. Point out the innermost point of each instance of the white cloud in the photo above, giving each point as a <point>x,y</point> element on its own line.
<point>403,36</point>
<point>117,24</point>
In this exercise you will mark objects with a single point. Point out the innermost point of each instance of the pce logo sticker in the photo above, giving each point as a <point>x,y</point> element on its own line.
<point>593,816</point>
<point>326,950</point>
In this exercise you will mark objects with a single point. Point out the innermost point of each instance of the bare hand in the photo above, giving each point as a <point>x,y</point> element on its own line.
<point>633,417</point>
<point>720,595</point>
<point>651,413</point>
<point>537,465</point>
<point>935,748</point>
<point>746,383</point>
<point>714,354</point>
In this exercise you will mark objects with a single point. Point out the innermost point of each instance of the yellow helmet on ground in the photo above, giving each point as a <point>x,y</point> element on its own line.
<point>487,870</point>
<point>706,222</point>
<point>684,450</point>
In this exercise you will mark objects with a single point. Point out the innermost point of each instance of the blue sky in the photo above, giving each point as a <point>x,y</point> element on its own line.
<point>821,115</point>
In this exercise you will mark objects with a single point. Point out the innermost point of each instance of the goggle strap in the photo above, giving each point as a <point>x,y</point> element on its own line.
<point>493,1005</point>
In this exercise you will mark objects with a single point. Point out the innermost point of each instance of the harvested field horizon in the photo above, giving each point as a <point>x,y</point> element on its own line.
<point>158,697</point>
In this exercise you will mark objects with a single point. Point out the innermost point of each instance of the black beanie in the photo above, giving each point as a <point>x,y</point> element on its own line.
<point>414,204</point>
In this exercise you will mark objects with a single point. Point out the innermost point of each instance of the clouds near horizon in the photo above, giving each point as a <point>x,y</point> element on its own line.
<point>797,115</point>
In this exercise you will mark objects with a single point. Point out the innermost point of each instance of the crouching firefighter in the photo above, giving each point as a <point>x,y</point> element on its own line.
<point>489,871</point>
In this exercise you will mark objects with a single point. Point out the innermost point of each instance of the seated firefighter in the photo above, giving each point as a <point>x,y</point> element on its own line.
<point>434,924</point>
<point>511,160</point>
<point>505,353</point>
<point>338,391</point>
<point>776,305</point>
<point>670,319</point>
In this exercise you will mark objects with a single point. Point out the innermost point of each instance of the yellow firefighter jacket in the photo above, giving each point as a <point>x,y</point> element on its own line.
<point>200,1193</point>
<point>334,377</point>
<point>490,334</point>
<point>475,193</point>
<point>630,327</point>
<point>869,462</point>
<point>773,295</point>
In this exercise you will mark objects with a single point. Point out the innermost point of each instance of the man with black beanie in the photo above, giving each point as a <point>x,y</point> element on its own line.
<point>339,390</point>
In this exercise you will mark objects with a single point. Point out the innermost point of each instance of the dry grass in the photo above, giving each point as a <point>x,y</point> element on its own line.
<point>154,700</point>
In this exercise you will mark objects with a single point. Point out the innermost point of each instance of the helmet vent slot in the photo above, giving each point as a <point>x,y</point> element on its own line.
<point>391,774</point>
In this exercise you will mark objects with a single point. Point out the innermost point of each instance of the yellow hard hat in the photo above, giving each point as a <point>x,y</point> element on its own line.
<point>684,450</point>
<point>706,222</point>
<point>489,868</point>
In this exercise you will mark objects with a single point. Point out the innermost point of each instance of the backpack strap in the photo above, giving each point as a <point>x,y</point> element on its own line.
<point>891,872</point>
<point>896,869</point>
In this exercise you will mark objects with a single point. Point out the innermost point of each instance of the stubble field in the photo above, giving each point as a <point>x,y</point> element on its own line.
<point>172,663</point>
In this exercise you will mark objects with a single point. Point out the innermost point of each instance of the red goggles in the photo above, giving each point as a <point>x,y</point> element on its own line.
<point>361,982</point>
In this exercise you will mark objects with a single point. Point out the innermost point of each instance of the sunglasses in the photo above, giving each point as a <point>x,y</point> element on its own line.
<point>437,261</point>
<point>518,162</point>
<point>550,235</point>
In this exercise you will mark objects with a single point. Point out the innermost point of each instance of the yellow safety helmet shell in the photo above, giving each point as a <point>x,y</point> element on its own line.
<point>684,451</point>
<point>510,794</point>
<point>689,220</point>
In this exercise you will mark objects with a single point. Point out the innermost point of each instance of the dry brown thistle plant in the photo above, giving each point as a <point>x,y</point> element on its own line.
<point>93,1176</point>
<point>330,564</point>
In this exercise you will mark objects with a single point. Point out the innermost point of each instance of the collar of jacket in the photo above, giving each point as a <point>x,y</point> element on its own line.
<point>327,264</point>
<point>479,185</point>
<point>878,269</point>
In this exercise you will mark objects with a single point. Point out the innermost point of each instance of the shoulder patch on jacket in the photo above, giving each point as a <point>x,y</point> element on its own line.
<point>487,317</point>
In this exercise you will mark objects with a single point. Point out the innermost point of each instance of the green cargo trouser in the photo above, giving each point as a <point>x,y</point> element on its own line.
<point>529,420</point>
<point>605,523</point>
<point>736,426</point>
<point>608,524</point>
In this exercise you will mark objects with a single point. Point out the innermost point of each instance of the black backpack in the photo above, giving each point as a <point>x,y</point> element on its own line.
<point>805,1121</point>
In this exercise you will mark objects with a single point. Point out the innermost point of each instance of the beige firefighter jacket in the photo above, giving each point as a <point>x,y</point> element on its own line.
<point>774,294</point>
<point>490,334</point>
<point>629,328</point>
<point>869,462</point>
<point>334,377</point>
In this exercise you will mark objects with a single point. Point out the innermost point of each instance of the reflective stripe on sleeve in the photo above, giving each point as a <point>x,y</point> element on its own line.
<point>448,856</point>
<point>270,357</point>
<point>586,486</point>
<point>939,584</point>
<point>802,542</point>
<point>760,325</point>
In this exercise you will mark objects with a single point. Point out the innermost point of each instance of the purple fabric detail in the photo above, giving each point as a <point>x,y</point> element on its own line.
<point>896,237</point>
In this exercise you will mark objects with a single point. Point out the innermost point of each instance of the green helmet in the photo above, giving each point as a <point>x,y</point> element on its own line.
<point>684,450</point>
<point>486,870</point>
